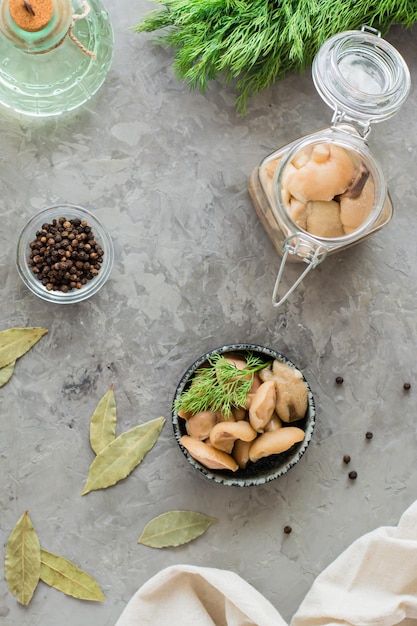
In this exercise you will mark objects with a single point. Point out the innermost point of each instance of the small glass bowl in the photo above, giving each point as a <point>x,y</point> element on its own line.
<point>265,469</point>
<point>28,234</point>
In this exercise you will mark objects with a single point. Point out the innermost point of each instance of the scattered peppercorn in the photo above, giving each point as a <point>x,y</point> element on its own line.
<point>346,459</point>
<point>353,475</point>
<point>65,254</point>
<point>339,380</point>
<point>287,530</point>
<point>369,435</point>
<point>407,386</point>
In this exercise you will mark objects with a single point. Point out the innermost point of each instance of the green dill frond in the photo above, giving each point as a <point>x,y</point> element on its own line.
<point>257,42</point>
<point>219,386</point>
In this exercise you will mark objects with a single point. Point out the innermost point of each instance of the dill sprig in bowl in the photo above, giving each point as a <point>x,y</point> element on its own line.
<point>219,385</point>
<point>214,383</point>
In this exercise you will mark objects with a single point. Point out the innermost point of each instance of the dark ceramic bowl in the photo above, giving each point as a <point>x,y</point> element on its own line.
<point>265,469</point>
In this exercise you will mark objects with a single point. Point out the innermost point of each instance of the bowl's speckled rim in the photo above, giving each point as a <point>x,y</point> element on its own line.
<point>268,473</point>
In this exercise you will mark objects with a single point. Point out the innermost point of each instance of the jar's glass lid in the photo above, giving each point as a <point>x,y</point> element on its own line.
<point>362,75</point>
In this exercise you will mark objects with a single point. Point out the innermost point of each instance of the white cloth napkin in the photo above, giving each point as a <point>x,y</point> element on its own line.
<point>372,583</point>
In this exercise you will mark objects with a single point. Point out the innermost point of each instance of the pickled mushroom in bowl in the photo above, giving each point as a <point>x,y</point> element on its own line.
<point>328,191</point>
<point>236,412</point>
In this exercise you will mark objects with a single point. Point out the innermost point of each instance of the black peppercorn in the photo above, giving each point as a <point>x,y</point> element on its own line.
<point>353,475</point>
<point>287,529</point>
<point>339,380</point>
<point>369,435</point>
<point>406,386</point>
<point>57,257</point>
<point>346,459</point>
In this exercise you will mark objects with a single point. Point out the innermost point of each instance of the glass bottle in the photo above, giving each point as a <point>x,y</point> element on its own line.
<point>55,54</point>
<point>326,191</point>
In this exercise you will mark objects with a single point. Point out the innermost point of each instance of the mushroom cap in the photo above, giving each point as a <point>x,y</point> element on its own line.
<point>319,172</point>
<point>223,435</point>
<point>354,211</point>
<point>292,403</point>
<point>269,170</point>
<point>256,383</point>
<point>266,373</point>
<point>283,370</point>
<point>262,405</point>
<point>221,417</point>
<point>292,392</point>
<point>275,442</point>
<point>200,424</point>
<point>239,413</point>
<point>248,401</point>
<point>207,455</point>
<point>241,452</point>
<point>238,362</point>
<point>323,219</point>
<point>298,212</point>
<point>274,423</point>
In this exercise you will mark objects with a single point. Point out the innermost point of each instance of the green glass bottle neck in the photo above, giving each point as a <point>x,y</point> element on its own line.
<point>37,41</point>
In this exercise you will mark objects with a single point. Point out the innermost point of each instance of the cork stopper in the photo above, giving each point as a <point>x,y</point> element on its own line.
<point>31,15</point>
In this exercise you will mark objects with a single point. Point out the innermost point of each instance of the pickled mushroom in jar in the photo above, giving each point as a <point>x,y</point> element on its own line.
<point>319,172</point>
<point>298,212</point>
<point>324,219</point>
<point>354,210</point>
<point>327,190</point>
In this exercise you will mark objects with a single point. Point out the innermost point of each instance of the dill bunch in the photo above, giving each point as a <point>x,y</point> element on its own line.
<point>220,386</point>
<point>257,42</point>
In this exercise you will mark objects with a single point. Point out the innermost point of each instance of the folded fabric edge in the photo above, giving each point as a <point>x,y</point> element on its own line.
<point>256,609</point>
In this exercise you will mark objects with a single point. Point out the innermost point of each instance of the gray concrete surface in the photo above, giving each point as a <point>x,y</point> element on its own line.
<point>167,171</point>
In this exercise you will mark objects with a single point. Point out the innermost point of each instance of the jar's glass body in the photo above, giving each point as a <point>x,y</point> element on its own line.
<point>47,72</point>
<point>265,188</point>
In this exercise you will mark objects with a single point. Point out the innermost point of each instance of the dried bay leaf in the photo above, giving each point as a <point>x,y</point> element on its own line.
<point>175,528</point>
<point>58,572</point>
<point>120,457</point>
<point>15,342</point>
<point>26,564</point>
<point>103,422</point>
<point>6,373</point>
<point>23,560</point>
